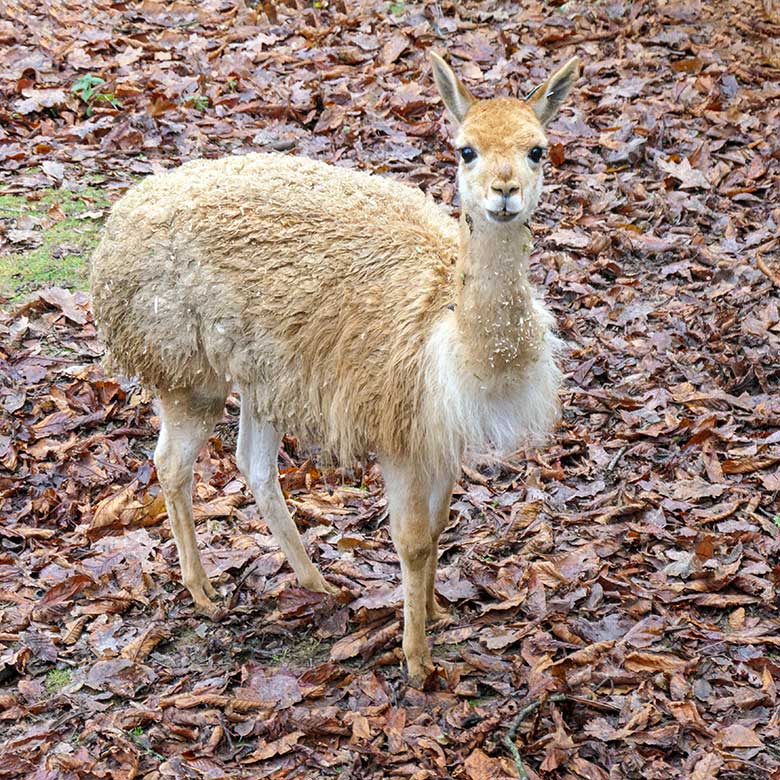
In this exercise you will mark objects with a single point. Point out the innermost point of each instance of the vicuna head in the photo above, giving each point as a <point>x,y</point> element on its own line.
<point>501,143</point>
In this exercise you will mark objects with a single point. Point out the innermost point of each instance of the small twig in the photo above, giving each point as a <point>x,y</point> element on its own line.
<point>767,271</point>
<point>614,461</point>
<point>751,764</point>
<point>242,577</point>
<point>597,705</point>
<point>508,739</point>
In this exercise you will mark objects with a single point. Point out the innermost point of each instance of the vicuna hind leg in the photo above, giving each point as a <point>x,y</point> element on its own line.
<point>408,496</point>
<point>256,455</point>
<point>186,422</point>
<point>439,515</point>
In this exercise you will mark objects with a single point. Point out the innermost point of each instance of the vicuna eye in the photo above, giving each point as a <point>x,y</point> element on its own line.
<point>536,154</point>
<point>468,154</point>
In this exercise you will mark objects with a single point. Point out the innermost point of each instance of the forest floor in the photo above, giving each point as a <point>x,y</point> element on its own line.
<point>614,596</point>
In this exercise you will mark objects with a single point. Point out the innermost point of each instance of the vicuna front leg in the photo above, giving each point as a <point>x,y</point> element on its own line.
<point>408,499</point>
<point>439,512</point>
<point>256,455</point>
<point>186,421</point>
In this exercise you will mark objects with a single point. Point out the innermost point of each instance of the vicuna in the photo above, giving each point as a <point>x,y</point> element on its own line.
<point>347,308</point>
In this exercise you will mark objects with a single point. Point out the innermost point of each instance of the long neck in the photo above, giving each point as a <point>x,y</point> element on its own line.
<point>497,325</point>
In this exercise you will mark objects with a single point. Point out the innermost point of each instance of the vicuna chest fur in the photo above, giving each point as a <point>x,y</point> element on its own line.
<point>328,294</point>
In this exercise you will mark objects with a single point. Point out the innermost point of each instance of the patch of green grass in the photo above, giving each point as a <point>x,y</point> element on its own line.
<point>139,738</point>
<point>481,701</point>
<point>304,652</point>
<point>87,87</point>
<point>57,679</point>
<point>198,102</point>
<point>67,242</point>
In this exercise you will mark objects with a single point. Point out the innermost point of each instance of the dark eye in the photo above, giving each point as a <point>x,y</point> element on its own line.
<point>536,154</point>
<point>468,154</point>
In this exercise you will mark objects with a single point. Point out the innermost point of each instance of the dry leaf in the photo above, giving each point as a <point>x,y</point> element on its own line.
<point>129,506</point>
<point>738,736</point>
<point>655,662</point>
<point>278,747</point>
<point>141,646</point>
<point>480,766</point>
<point>707,768</point>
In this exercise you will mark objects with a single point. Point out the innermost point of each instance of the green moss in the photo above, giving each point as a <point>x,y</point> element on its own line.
<point>57,679</point>
<point>304,652</point>
<point>61,258</point>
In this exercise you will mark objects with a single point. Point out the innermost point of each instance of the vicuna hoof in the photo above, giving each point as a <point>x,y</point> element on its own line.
<point>202,592</point>
<point>419,669</point>
<point>209,590</point>
<point>210,610</point>
<point>319,584</point>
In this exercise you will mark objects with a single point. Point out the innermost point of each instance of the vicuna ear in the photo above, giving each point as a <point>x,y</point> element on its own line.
<point>456,97</point>
<point>547,98</point>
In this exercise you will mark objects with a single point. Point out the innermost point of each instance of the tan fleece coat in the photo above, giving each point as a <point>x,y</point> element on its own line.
<point>321,289</point>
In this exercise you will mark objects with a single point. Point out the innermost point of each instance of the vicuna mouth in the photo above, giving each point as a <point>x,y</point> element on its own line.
<point>502,216</point>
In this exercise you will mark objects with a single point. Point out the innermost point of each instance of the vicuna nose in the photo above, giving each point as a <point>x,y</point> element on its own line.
<point>505,188</point>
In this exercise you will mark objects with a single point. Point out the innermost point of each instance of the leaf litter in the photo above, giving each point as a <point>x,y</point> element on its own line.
<point>619,586</point>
